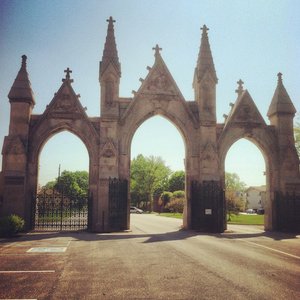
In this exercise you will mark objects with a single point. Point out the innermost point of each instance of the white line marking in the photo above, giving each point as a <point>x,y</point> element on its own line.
<point>272,249</point>
<point>38,271</point>
<point>47,249</point>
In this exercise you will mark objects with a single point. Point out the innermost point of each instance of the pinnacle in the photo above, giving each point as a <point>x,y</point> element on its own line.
<point>205,60</point>
<point>21,89</point>
<point>281,101</point>
<point>110,53</point>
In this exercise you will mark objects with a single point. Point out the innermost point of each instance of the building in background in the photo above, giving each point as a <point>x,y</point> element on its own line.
<point>255,197</point>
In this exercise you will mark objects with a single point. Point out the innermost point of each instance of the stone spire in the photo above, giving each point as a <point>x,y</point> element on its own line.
<point>110,53</point>
<point>21,89</point>
<point>205,61</point>
<point>281,101</point>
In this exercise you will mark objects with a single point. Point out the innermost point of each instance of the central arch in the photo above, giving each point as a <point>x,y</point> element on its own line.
<point>159,134</point>
<point>174,110</point>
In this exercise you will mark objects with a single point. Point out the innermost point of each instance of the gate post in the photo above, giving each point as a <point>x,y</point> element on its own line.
<point>208,206</point>
<point>15,147</point>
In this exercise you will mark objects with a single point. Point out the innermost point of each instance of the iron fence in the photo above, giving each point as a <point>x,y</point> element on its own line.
<point>55,211</point>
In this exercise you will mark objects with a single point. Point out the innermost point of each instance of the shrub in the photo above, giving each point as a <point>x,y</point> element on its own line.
<point>10,225</point>
<point>179,194</point>
<point>165,197</point>
<point>176,205</point>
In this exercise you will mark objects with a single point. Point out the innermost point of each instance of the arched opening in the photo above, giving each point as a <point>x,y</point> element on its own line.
<point>157,170</point>
<point>63,184</point>
<point>246,189</point>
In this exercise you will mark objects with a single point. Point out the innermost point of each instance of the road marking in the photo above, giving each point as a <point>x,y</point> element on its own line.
<point>38,271</point>
<point>272,249</point>
<point>47,249</point>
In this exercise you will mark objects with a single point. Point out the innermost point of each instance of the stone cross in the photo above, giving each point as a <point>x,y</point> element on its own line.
<point>157,49</point>
<point>204,28</point>
<point>68,78</point>
<point>240,88</point>
<point>110,20</point>
<point>279,77</point>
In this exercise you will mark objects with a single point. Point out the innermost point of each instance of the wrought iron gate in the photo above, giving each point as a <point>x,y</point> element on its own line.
<point>118,203</point>
<point>54,211</point>
<point>207,206</point>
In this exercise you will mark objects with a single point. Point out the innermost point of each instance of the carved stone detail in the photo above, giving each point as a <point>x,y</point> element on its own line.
<point>13,145</point>
<point>109,150</point>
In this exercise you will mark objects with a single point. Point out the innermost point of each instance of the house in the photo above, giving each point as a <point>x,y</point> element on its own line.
<point>255,197</point>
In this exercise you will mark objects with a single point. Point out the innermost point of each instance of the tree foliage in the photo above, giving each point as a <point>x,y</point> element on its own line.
<point>235,189</point>
<point>165,197</point>
<point>176,204</point>
<point>72,184</point>
<point>148,174</point>
<point>177,181</point>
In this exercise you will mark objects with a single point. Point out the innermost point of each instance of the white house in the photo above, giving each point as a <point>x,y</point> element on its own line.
<point>255,197</point>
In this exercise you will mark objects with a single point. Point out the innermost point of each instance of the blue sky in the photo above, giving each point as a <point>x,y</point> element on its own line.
<point>251,40</point>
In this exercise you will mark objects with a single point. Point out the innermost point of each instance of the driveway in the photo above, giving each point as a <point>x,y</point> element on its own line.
<point>155,260</point>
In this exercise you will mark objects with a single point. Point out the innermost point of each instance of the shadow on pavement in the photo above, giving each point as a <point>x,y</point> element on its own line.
<point>151,237</point>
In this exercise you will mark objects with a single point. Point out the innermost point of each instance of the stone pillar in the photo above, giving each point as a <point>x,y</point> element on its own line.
<point>15,147</point>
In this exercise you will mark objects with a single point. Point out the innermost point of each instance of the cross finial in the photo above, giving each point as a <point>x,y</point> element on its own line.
<point>24,58</point>
<point>156,49</point>
<point>240,88</point>
<point>68,78</point>
<point>204,29</point>
<point>110,20</point>
<point>279,75</point>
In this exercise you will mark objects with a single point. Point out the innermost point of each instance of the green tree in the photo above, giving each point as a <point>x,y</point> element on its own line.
<point>49,185</point>
<point>177,181</point>
<point>72,184</point>
<point>147,175</point>
<point>234,191</point>
<point>297,135</point>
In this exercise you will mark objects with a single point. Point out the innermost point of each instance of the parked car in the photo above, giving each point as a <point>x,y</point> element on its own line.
<point>260,211</point>
<point>135,210</point>
<point>250,211</point>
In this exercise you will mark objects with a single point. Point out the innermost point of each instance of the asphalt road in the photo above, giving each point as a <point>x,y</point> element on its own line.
<point>155,260</point>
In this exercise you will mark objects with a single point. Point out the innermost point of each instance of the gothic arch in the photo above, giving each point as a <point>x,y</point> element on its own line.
<point>135,119</point>
<point>264,139</point>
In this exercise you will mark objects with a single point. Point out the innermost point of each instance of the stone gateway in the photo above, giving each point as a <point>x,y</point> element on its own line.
<point>108,141</point>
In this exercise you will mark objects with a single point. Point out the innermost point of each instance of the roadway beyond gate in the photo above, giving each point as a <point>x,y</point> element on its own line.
<point>155,260</point>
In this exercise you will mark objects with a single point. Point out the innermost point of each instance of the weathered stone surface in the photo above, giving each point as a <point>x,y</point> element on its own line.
<point>108,137</point>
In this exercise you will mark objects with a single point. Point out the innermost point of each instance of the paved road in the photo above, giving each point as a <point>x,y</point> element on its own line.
<point>155,260</point>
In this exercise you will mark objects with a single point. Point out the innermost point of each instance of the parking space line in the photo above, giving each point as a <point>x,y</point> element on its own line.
<point>26,271</point>
<point>272,249</point>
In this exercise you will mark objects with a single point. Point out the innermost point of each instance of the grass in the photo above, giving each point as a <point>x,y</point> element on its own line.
<point>235,219</point>
<point>171,215</point>
<point>247,219</point>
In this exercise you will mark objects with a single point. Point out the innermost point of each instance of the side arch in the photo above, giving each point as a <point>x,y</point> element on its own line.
<point>38,137</point>
<point>264,139</point>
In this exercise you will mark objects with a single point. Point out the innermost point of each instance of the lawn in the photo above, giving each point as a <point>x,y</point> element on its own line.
<point>235,219</point>
<point>171,215</point>
<point>247,219</point>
